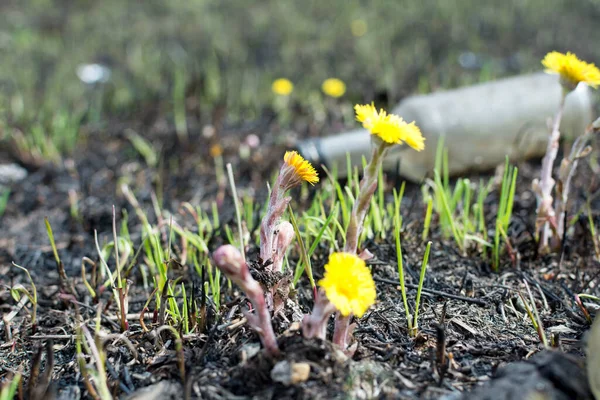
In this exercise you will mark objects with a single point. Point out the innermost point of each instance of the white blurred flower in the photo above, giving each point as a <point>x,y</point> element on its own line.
<point>93,73</point>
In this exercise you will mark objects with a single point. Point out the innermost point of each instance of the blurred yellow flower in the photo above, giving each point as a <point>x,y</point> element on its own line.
<point>389,127</point>
<point>358,27</point>
<point>333,87</point>
<point>395,130</point>
<point>348,284</point>
<point>571,69</point>
<point>216,150</point>
<point>282,87</point>
<point>302,169</point>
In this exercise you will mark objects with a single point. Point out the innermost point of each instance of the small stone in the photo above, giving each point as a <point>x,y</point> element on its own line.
<point>248,351</point>
<point>294,326</point>
<point>11,173</point>
<point>290,373</point>
<point>208,131</point>
<point>163,390</point>
<point>300,372</point>
<point>253,141</point>
<point>339,356</point>
<point>69,393</point>
<point>93,73</point>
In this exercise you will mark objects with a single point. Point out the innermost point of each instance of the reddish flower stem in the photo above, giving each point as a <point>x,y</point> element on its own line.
<point>315,324</point>
<point>275,210</point>
<point>230,261</point>
<point>368,185</point>
<point>340,332</point>
<point>545,211</point>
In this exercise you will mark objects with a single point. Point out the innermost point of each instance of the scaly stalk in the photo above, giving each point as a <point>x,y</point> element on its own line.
<point>368,185</point>
<point>545,212</point>
<point>229,260</point>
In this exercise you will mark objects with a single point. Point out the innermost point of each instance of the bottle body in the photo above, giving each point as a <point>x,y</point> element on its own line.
<point>480,124</point>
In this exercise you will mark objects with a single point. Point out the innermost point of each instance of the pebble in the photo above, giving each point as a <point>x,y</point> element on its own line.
<point>93,73</point>
<point>69,393</point>
<point>163,390</point>
<point>11,173</point>
<point>290,373</point>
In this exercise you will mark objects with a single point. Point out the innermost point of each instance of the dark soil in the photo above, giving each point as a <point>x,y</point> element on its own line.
<point>466,313</point>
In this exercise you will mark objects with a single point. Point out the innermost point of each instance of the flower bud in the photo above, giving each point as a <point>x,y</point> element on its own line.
<point>285,235</point>
<point>283,239</point>
<point>229,260</point>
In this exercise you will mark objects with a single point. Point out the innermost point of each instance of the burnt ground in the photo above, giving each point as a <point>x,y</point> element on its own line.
<point>465,307</point>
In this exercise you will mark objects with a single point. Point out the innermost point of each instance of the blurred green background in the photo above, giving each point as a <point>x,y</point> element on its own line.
<point>193,57</point>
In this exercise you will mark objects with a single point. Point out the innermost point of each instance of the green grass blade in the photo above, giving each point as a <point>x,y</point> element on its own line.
<point>401,268</point>
<point>421,279</point>
<point>304,258</point>
<point>51,237</point>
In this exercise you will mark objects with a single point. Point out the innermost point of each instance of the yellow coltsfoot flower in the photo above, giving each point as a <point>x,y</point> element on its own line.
<point>390,128</point>
<point>294,170</point>
<point>358,27</point>
<point>333,87</point>
<point>282,87</point>
<point>571,69</point>
<point>368,115</point>
<point>395,130</point>
<point>348,284</point>
<point>301,168</point>
<point>413,137</point>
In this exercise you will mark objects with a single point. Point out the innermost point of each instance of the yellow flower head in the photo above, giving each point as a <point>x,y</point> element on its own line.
<point>389,127</point>
<point>333,87</point>
<point>413,137</point>
<point>216,150</point>
<point>295,170</point>
<point>358,27</point>
<point>368,115</point>
<point>282,87</point>
<point>571,69</point>
<point>348,284</point>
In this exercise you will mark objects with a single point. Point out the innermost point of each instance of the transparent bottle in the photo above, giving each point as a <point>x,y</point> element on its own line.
<point>481,124</point>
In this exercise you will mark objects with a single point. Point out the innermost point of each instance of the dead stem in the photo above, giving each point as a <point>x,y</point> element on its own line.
<point>579,150</point>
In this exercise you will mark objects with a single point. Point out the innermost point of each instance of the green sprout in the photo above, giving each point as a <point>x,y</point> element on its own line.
<point>401,270</point>
<point>178,349</point>
<point>316,241</point>
<point>427,222</point>
<point>238,213</point>
<point>415,325</point>
<point>19,290</point>
<point>143,147</point>
<point>94,375</point>
<point>9,388</point>
<point>118,288</point>
<point>534,315</point>
<point>593,234</point>
<point>505,206</point>
<point>412,322</point>
<point>51,135</point>
<point>459,217</point>
<point>305,257</point>
<point>179,112</point>
<point>4,195</point>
